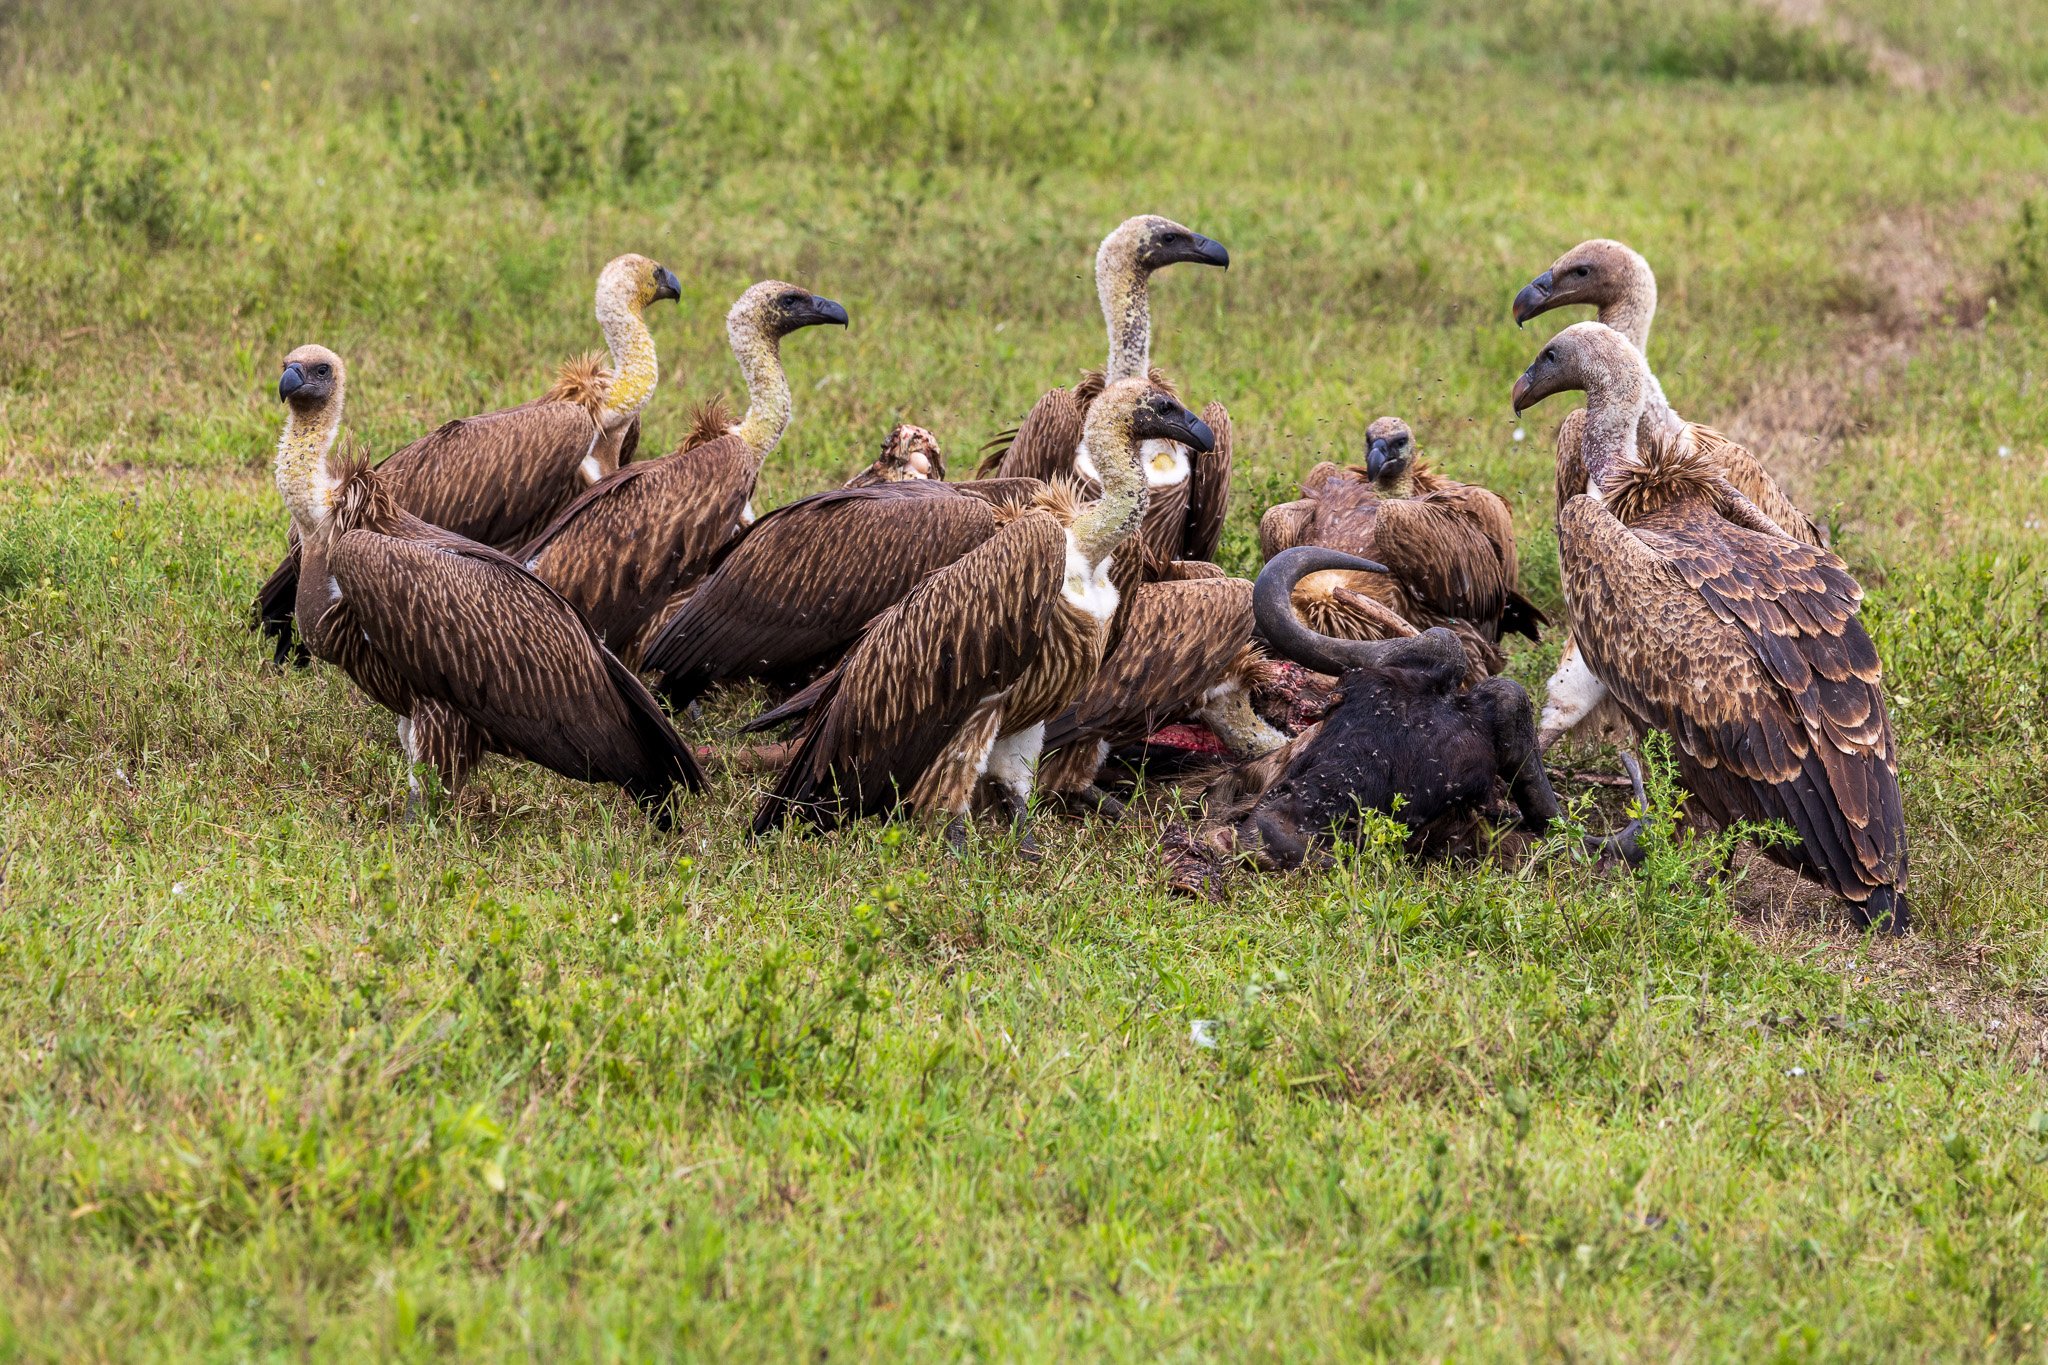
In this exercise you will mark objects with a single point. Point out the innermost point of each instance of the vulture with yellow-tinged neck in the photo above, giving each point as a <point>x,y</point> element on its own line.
<point>956,682</point>
<point>471,651</point>
<point>1702,619</point>
<point>1190,490</point>
<point>498,478</point>
<point>623,549</point>
<point>1448,547</point>
<point>1616,280</point>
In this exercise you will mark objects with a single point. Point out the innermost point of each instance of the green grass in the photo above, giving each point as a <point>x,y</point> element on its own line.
<point>280,1076</point>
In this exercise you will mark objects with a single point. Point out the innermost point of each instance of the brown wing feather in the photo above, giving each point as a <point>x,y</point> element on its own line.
<point>808,578</point>
<point>1286,525</point>
<point>643,533</point>
<point>968,631</point>
<point>1209,489</point>
<point>1044,444</point>
<point>1179,639</point>
<point>1441,546</point>
<point>496,478</point>
<point>1747,649</point>
<point>466,626</point>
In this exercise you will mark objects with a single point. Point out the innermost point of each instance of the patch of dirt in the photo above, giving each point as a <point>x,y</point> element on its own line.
<point>1900,280</point>
<point>1900,69</point>
<point>1795,918</point>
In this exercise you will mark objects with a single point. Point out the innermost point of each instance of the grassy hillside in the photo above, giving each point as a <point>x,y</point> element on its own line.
<point>285,1077</point>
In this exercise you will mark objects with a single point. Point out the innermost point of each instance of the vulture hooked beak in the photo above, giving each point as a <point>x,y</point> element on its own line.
<point>818,312</point>
<point>291,381</point>
<point>1176,425</point>
<point>1376,458</point>
<point>1535,298</point>
<point>666,285</point>
<point>1208,251</point>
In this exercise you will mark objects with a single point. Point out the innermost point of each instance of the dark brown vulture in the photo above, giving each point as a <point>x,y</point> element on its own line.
<point>799,588</point>
<point>499,478</point>
<point>1190,492</point>
<point>956,682</point>
<point>1449,548</point>
<point>1703,620</point>
<point>472,652</point>
<point>625,547</point>
<point>1619,283</point>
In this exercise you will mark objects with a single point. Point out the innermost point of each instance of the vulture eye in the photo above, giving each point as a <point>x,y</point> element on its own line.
<point>321,370</point>
<point>791,299</point>
<point>1548,354</point>
<point>1580,270</point>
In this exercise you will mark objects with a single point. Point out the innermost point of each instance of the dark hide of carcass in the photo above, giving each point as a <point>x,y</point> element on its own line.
<point>1402,739</point>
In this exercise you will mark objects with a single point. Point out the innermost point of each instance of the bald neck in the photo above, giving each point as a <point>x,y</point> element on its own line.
<point>1616,396</point>
<point>1122,287</point>
<point>303,480</point>
<point>1632,312</point>
<point>635,370</point>
<point>1102,528</point>
<point>759,351</point>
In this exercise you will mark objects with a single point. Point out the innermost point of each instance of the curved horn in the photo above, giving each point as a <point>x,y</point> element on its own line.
<point>1273,609</point>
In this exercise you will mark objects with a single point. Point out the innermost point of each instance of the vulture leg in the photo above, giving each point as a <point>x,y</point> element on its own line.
<point>1012,768</point>
<point>436,736</point>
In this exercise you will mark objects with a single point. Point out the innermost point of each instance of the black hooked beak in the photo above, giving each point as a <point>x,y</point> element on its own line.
<point>666,285</point>
<point>1209,251</point>
<point>1534,298</point>
<point>1177,425</point>
<point>291,381</point>
<point>1521,398</point>
<point>823,310</point>
<point>1376,458</point>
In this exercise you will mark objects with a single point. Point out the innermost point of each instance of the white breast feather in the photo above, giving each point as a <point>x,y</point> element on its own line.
<point>1088,587</point>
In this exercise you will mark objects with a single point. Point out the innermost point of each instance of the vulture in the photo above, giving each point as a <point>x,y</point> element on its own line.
<point>1449,549</point>
<point>1618,282</point>
<point>1183,649</point>
<point>646,532</point>
<point>910,453</point>
<point>955,683</point>
<point>786,599</point>
<point>499,477</point>
<point>1701,618</point>
<point>1190,495</point>
<point>471,651</point>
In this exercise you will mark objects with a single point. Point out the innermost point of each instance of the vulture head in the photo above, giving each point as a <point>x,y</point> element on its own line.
<point>1143,244</point>
<point>1587,356</point>
<point>1284,633</point>
<point>1604,273</point>
<point>1389,453</point>
<point>633,281</point>
<point>1131,412</point>
<point>911,452</point>
<point>775,309</point>
<point>312,378</point>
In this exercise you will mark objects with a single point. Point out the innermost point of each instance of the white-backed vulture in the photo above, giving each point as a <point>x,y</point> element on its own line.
<point>499,477</point>
<point>1702,619</point>
<point>957,681</point>
<point>1618,282</point>
<point>1449,549</point>
<point>799,588</point>
<point>1190,493</point>
<point>473,653</point>
<point>625,547</point>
